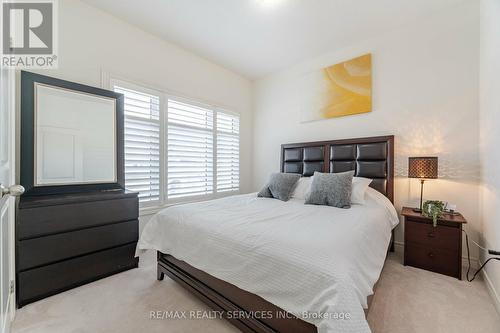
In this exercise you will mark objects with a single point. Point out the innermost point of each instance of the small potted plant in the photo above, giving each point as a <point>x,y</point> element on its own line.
<point>433,209</point>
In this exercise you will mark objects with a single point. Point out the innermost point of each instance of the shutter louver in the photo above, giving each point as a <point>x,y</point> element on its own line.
<point>228,152</point>
<point>142,144</point>
<point>190,150</point>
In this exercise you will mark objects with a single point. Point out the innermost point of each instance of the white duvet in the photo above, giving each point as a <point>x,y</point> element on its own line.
<point>306,259</point>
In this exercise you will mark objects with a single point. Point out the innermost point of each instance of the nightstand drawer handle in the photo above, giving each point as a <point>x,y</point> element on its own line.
<point>431,255</point>
<point>431,234</point>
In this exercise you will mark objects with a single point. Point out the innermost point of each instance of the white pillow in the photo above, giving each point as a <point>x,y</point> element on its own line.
<point>302,188</point>
<point>359,186</point>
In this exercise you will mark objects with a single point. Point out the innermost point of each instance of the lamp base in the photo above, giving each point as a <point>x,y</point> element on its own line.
<point>417,210</point>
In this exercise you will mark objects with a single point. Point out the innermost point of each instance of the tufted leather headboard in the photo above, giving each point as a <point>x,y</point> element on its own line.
<point>371,157</point>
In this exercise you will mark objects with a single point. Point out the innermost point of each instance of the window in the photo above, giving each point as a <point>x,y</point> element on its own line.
<point>228,152</point>
<point>199,144</point>
<point>190,146</point>
<point>142,144</point>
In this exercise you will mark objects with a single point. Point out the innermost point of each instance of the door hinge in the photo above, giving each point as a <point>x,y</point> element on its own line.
<point>11,286</point>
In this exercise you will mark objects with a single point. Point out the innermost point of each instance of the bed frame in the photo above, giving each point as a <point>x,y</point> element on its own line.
<point>371,157</point>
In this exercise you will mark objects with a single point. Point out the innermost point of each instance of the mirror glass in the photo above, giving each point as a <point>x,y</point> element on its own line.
<point>75,139</point>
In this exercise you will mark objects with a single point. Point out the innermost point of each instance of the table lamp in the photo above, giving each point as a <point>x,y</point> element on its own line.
<point>422,168</point>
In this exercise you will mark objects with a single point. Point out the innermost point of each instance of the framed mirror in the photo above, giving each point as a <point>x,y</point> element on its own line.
<point>71,136</point>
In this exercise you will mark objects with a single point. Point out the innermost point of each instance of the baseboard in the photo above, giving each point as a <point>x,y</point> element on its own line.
<point>399,246</point>
<point>492,291</point>
<point>474,262</point>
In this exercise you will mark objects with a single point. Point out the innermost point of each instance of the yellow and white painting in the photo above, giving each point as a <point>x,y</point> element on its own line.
<point>338,90</point>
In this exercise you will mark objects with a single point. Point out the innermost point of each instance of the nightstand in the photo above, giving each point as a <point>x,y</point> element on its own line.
<point>437,249</point>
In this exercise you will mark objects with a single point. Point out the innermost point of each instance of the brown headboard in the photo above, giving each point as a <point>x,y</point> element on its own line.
<point>369,157</point>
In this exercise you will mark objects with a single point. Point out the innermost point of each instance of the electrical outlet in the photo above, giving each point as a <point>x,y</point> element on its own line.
<point>12,286</point>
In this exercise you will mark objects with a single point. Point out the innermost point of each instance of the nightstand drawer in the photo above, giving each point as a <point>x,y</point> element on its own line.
<point>433,259</point>
<point>440,237</point>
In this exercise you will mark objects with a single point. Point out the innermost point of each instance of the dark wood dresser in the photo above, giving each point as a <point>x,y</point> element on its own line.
<point>66,240</point>
<point>437,249</point>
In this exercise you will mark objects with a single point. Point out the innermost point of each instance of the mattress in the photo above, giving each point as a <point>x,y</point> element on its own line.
<point>318,262</point>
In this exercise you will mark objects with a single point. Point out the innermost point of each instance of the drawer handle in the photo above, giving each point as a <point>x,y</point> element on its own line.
<point>431,235</point>
<point>431,255</point>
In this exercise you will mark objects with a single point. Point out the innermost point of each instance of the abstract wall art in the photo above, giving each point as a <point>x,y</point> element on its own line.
<point>339,90</point>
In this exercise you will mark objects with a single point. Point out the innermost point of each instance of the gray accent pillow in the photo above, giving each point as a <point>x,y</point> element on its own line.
<point>280,186</point>
<point>331,189</point>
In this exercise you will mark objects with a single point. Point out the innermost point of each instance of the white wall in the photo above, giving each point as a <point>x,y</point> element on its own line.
<point>490,135</point>
<point>92,41</point>
<point>425,92</point>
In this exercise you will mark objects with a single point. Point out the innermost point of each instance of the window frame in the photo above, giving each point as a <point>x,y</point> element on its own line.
<point>151,207</point>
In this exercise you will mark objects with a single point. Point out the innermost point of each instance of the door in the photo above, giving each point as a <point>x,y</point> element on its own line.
<point>7,201</point>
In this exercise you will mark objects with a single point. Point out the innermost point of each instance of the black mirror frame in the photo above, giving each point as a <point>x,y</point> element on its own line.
<point>27,180</point>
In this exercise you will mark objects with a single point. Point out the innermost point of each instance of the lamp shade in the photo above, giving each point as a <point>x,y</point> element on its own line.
<point>422,167</point>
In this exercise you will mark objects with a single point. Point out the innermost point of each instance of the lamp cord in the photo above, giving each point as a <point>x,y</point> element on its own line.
<point>468,258</point>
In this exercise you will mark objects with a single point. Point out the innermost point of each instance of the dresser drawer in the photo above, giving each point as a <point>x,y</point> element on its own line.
<point>39,221</point>
<point>41,282</point>
<point>433,259</point>
<point>44,250</point>
<point>441,237</point>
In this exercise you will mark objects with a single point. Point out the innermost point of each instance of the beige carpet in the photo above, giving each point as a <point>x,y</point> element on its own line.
<point>408,300</point>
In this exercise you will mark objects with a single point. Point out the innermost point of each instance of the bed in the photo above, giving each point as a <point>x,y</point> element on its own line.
<point>274,266</point>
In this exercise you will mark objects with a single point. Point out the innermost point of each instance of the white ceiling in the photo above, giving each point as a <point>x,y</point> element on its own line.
<point>258,37</point>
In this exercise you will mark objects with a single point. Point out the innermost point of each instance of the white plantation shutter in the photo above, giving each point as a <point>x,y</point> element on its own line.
<point>142,144</point>
<point>228,152</point>
<point>178,150</point>
<point>190,150</point>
